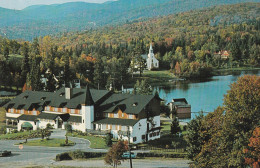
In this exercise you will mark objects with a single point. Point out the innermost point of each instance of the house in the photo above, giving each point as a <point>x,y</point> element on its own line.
<point>87,110</point>
<point>181,108</point>
<point>222,54</point>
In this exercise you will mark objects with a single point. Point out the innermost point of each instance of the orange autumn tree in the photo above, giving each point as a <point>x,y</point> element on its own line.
<point>253,150</point>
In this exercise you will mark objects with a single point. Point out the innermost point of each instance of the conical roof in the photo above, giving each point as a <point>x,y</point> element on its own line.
<point>88,100</point>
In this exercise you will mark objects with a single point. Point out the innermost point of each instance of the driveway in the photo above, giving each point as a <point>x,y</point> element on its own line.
<point>40,155</point>
<point>43,156</point>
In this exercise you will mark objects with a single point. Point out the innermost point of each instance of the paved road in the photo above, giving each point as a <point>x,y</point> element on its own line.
<point>40,155</point>
<point>33,156</point>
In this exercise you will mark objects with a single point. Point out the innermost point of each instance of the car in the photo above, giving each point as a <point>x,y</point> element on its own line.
<point>127,155</point>
<point>5,153</point>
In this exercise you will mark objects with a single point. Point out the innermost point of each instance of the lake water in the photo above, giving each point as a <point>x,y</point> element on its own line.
<point>202,95</point>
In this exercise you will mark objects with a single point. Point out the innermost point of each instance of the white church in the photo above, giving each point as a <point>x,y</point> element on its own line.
<point>151,61</point>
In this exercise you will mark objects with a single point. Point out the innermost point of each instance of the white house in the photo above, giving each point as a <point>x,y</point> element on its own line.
<point>87,110</point>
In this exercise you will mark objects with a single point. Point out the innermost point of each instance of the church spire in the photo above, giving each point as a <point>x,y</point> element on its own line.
<point>88,100</point>
<point>151,48</point>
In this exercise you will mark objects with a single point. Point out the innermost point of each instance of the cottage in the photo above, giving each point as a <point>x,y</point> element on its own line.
<point>87,110</point>
<point>181,108</point>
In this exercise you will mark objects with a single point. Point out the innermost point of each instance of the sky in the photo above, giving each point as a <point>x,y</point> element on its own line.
<point>21,4</point>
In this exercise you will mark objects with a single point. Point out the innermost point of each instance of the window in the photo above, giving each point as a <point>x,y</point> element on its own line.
<point>143,136</point>
<point>22,111</point>
<point>72,111</point>
<point>80,112</point>
<point>104,126</point>
<point>154,134</point>
<point>130,116</point>
<point>55,109</point>
<point>116,115</point>
<point>12,110</point>
<point>150,135</point>
<point>134,139</point>
<point>123,128</point>
<point>48,108</point>
<point>158,133</point>
<point>34,112</point>
<point>113,127</point>
<point>64,110</point>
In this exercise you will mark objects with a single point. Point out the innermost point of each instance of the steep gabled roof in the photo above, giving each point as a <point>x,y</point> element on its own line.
<point>132,104</point>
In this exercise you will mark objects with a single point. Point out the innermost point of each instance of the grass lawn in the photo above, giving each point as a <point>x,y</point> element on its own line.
<point>50,143</point>
<point>96,142</point>
<point>19,135</point>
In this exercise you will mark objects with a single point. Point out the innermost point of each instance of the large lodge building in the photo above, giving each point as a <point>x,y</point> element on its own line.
<point>87,110</point>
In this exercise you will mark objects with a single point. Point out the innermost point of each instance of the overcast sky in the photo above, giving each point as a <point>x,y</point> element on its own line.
<point>21,4</point>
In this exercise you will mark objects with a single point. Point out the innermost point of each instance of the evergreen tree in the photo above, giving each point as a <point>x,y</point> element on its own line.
<point>175,126</point>
<point>25,63</point>
<point>142,88</point>
<point>99,74</point>
<point>35,76</point>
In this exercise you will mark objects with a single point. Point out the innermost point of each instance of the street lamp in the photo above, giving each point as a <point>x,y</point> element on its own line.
<point>130,157</point>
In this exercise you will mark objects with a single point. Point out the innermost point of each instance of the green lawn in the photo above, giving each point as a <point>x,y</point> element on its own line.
<point>96,142</point>
<point>19,135</point>
<point>50,143</point>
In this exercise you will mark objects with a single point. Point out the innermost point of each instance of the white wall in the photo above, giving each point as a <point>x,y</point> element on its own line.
<point>87,117</point>
<point>43,123</point>
<point>19,125</point>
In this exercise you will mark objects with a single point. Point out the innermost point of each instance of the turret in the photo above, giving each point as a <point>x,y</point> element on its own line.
<point>151,49</point>
<point>87,111</point>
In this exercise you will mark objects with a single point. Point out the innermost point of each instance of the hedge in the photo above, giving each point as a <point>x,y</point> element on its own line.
<point>165,155</point>
<point>78,154</point>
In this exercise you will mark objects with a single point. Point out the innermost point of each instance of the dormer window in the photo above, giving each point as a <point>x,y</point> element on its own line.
<point>25,97</point>
<point>43,98</point>
<point>135,104</point>
<point>61,94</point>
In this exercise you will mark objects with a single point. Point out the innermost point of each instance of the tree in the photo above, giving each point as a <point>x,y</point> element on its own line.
<point>114,155</point>
<point>175,126</point>
<point>25,63</point>
<point>242,115</point>
<point>109,139</point>
<point>193,138</point>
<point>6,52</point>
<point>35,76</point>
<point>68,127</point>
<point>253,150</point>
<point>142,88</point>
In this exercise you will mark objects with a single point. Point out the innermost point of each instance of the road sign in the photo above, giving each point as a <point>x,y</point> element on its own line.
<point>20,146</point>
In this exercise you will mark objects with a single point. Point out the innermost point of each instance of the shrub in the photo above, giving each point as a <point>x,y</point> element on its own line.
<point>68,127</point>
<point>78,154</point>
<point>49,126</point>
<point>109,139</point>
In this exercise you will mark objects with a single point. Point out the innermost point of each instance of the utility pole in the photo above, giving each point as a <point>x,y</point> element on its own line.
<point>130,157</point>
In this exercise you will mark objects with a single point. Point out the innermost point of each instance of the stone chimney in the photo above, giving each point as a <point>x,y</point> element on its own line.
<point>68,93</point>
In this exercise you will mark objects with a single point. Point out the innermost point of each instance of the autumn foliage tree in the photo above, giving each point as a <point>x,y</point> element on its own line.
<point>224,138</point>
<point>253,151</point>
<point>114,155</point>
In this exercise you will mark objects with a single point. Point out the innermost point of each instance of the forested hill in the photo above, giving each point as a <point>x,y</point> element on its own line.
<point>42,20</point>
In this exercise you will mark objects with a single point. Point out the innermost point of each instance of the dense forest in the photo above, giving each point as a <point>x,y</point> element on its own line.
<point>184,43</point>
<point>42,20</point>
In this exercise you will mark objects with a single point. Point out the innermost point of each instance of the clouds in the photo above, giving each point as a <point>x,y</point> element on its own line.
<point>21,4</point>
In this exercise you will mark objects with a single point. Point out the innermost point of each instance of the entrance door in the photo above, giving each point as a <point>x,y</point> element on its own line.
<point>59,123</point>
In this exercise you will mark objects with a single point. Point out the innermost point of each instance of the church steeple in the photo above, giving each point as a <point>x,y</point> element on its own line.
<point>88,100</point>
<point>151,49</point>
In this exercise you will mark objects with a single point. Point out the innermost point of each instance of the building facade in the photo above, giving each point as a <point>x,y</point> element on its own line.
<point>87,110</point>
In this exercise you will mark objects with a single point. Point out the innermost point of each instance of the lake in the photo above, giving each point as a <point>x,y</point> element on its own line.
<point>205,95</point>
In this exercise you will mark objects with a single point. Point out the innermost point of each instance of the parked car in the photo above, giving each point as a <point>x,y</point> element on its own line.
<point>127,155</point>
<point>5,153</point>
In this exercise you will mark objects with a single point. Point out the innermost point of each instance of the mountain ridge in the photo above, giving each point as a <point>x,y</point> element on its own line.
<point>77,16</point>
